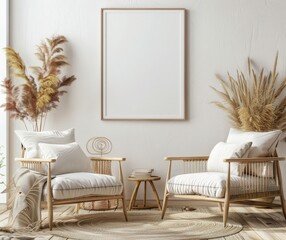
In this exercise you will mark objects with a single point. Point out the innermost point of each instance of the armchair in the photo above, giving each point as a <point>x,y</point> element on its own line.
<point>71,176</point>
<point>102,186</point>
<point>242,189</point>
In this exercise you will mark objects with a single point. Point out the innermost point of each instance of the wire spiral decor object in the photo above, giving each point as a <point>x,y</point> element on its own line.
<point>99,146</point>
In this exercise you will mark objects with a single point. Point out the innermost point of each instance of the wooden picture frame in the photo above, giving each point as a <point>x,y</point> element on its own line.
<point>143,64</point>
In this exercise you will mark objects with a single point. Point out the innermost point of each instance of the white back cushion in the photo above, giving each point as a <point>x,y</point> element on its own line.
<point>30,140</point>
<point>263,143</point>
<point>69,158</point>
<point>223,151</point>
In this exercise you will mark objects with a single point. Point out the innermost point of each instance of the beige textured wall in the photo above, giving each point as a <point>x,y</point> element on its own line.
<point>221,34</point>
<point>3,72</point>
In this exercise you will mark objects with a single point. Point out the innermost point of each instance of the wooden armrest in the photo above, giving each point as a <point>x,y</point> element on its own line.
<point>255,160</point>
<point>32,160</point>
<point>198,158</point>
<point>107,159</point>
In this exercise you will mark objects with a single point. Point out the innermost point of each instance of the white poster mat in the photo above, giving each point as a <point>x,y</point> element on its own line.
<point>143,64</point>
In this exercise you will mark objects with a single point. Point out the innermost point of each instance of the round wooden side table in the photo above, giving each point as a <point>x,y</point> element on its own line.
<point>135,191</point>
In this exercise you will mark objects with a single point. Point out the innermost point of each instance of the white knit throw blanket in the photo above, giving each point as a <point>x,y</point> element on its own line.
<point>26,192</point>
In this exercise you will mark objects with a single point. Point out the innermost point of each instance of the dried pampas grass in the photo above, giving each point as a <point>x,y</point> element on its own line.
<point>256,102</point>
<point>40,92</point>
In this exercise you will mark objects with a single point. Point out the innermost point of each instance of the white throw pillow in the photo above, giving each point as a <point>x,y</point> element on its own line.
<point>263,143</point>
<point>69,158</point>
<point>223,151</point>
<point>30,140</point>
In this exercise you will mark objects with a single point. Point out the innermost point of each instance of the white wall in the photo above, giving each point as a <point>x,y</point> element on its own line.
<point>221,35</point>
<point>3,73</point>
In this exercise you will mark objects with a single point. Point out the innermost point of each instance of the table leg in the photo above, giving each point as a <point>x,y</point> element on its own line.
<point>133,196</point>
<point>156,194</point>
<point>145,187</point>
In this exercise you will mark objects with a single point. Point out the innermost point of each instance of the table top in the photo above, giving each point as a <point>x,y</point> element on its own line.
<point>152,178</point>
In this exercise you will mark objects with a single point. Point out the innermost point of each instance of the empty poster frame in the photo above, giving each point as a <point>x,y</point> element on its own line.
<point>143,64</point>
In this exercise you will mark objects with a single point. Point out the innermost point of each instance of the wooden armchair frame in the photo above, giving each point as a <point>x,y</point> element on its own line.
<point>100,165</point>
<point>198,164</point>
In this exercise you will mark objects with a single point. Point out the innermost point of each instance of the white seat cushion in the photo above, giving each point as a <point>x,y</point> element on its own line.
<point>73,185</point>
<point>211,184</point>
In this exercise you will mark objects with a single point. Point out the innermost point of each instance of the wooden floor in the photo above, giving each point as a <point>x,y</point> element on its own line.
<point>258,223</point>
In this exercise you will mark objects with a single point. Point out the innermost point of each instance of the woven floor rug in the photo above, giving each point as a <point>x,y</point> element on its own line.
<point>146,225</point>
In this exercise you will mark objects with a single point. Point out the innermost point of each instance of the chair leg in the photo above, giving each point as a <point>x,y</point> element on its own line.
<point>166,196</point>
<point>220,206</point>
<point>50,196</point>
<point>124,209</point>
<point>50,215</point>
<point>283,205</point>
<point>165,202</point>
<point>225,212</point>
